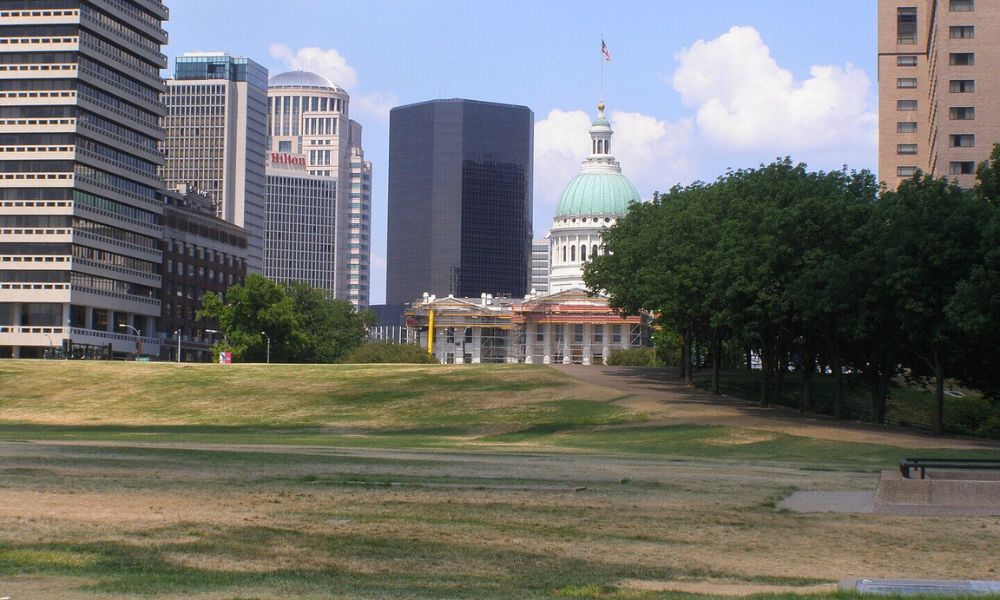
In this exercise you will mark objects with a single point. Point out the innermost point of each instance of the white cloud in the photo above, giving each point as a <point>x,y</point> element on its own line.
<point>561,144</point>
<point>326,62</point>
<point>376,104</point>
<point>651,151</point>
<point>745,101</point>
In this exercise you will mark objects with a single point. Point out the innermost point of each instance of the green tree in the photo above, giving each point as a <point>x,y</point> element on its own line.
<point>302,323</point>
<point>988,178</point>
<point>329,328</point>
<point>928,235</point>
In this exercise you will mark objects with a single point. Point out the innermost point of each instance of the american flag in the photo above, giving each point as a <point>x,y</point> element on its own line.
<point>605,51</point>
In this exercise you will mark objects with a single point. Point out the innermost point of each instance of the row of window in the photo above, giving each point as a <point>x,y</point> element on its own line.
<point>906,21</point>
<point>958,167</point>
<point>960,140</point>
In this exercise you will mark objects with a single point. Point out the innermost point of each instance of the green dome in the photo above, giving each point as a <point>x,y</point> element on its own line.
<point>597,194</point>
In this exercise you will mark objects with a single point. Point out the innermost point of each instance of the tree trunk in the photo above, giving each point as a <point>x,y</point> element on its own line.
<point>808,368</point>
<point>716,360</point>
<point>779,380</point>
<point>749,352</point>
<point>688,372</point>
<point>838,381</point>
<point>938,394</point>
<point>766,373</point>
<point>685,357</point>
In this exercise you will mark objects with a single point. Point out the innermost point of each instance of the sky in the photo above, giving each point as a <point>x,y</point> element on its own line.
<point>693,88</point>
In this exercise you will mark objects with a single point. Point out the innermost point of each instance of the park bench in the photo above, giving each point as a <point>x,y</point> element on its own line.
<point>907,465</point>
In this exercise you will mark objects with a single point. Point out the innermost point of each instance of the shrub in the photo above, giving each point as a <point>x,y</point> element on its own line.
<point>383,352</point>
<point>631,357</point>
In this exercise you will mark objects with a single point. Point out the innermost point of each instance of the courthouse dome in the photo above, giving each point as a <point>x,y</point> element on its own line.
<point>597,194</point>
<point>600,189</point>
<point>302,79</point>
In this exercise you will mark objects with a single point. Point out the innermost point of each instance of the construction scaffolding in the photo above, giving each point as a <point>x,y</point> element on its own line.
<point>462,331</point>
<point>565,328</point>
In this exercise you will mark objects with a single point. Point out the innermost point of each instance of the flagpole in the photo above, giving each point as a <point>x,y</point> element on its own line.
<point>600,57</point>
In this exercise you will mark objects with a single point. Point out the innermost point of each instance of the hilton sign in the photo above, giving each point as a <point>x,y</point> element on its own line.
<point>285,160</point>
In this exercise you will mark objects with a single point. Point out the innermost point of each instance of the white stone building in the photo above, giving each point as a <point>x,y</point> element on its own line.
<point>308,115</point>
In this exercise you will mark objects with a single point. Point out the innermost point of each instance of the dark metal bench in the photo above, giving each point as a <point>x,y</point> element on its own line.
<point>962,464</point>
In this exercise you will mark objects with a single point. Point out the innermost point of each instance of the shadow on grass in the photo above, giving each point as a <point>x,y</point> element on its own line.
<point>192,558</point>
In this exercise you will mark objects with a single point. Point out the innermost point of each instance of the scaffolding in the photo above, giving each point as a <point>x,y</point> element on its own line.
<point>464,331</point>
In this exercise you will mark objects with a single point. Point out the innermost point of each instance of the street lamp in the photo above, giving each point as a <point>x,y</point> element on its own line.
<point>178,334</point>
<point>225,339</point>
<point>138,337</point>
<point>268,346</point>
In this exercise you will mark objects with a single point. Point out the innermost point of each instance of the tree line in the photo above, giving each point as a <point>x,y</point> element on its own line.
<point>302,323</point>
<point>820,272</point>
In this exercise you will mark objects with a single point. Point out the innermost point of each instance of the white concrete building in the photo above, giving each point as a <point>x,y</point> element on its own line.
<point>308,115</point>
<point>80,220</point>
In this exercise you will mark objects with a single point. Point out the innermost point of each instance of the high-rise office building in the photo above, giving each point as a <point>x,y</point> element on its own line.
<point>459,199</point>
<point>939,96</point>
<point>216,137</point>
<point>80,219</point>
<point>310,121</point>
<point>540,263</point>
<point>300,230</point>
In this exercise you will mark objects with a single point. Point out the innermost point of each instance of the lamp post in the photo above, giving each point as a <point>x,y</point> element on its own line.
<point>138,338</point>
<point>178,334</point>
<point>268,346</point>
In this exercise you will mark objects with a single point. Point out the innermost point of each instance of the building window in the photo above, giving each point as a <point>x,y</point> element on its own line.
<point>962,59</point>
<point>962,32</point>
<point>906,60</point>
<point>906,148</point>
<point>962,140</point>
<point>962,113</point>
<point>964,167</point>
<point>906,105</point>
<point>583,253</point>
<point>572,253</point>
<point>906,25</point>
<point>906,171</point>
<point>962,86</point>
<point>906,82</point>
<point>962,5</point>
<point>616,334</point>
<point>599,333</point>
<point>285,146</point>
<point>906,127</point>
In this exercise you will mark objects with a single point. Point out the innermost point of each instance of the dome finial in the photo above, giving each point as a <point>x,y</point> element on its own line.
<point>600,108</point>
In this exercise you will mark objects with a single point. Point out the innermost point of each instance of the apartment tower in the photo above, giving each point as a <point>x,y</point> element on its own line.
<point>309,123</point>
<point>939,95</point>
<point>216,136</point>
<point>459,199</point>
<point>80,219</point>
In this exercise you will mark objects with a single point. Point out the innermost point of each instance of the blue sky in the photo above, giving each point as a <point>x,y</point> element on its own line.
<point>693,87</point>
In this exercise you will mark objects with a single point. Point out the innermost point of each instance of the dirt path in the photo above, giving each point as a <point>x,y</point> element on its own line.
<point>659,394</point>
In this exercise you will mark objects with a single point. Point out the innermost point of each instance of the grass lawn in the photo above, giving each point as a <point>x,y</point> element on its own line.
<point>250,481</point>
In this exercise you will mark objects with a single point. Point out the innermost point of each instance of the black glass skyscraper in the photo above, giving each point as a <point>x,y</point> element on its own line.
<point>459,199</point>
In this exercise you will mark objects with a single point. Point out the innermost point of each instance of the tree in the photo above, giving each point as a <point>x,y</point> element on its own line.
<point>330,328</point>
<point>302,323</point>
<point>928,235</point>
<point>988,178</point>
